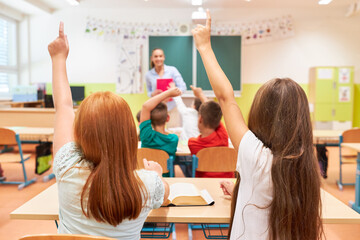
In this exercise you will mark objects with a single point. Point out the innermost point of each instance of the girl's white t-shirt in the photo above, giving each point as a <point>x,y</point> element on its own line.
<point>71,172</point>
<point>255,191</point>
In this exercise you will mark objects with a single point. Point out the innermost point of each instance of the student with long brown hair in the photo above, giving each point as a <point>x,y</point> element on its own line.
<point>278,197</point>
<point>100,190</point>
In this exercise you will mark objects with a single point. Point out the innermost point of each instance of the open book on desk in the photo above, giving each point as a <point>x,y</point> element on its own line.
<point>186,194</point>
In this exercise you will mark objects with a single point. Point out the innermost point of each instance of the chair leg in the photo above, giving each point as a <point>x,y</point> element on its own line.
<point>189,232</point>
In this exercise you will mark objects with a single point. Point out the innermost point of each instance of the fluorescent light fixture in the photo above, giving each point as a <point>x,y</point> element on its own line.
<point>73,2</point>
<point>196,2</point>
<point>324,2</point>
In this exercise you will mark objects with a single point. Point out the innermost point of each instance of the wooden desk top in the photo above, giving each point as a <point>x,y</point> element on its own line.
<point>45,206</point>
<point>326,136</point>
<point>354,146</point>
<point>34,133</point>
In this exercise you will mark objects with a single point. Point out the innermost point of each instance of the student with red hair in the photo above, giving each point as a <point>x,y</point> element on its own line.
<point>100,190</point>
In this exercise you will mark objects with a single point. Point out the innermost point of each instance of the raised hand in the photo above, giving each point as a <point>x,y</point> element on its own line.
<point>59,48</point>
<point>173,92</point>
<point>197,91</point>
<point>153,166</point>
<point>202,34</point>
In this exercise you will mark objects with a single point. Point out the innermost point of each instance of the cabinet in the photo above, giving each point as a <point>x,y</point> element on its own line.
<point>331,97</point>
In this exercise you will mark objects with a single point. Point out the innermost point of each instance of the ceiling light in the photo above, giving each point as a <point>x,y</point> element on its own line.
<point>73,2</point>
<point>196,2</point>
<point>324,2</point>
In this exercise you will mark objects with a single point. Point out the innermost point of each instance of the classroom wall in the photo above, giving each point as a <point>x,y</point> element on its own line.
<point>324,37</point>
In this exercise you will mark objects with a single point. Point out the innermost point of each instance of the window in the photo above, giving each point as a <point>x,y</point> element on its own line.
<point>8,56</point>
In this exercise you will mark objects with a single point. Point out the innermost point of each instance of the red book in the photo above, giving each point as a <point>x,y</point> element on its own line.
<point>163,84</point>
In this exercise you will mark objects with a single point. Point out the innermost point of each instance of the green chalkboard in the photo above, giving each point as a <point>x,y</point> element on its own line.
<point>227,51</point>
<point>179,53</point>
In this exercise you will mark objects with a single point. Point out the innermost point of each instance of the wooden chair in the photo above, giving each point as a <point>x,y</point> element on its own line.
<point>156,155</point>
<point>214,159</point>
<point>10,138</point>
<point>63,237</point>
<point>347,156</point>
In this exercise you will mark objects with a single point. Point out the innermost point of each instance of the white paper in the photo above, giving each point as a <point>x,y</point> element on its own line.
<point>344,75</point>
<point>206,196</point>
<point>182,189</point>
<point>325,73</point>
<point>344,94</point>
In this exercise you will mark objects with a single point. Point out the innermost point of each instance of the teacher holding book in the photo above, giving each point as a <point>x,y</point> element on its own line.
<point>157,80</point>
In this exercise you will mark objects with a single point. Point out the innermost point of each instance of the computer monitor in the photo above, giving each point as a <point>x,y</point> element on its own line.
<point>78,93</point>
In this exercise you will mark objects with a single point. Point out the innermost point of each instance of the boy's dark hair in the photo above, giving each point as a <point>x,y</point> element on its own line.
<point>138,116</point>
<point>159,114</point>
<point>211,114</point>
<point>197,103</point>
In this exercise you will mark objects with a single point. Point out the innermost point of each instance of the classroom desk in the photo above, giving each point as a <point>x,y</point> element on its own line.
<point>34,134</point>
<point>327,137</point>
<point>355,146</point>
<point>45,206</point>
<point>39,103</point>
<point>27,117</point>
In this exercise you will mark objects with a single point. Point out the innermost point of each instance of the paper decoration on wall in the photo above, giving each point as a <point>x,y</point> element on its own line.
<point>344,75</point>
<point>129,68</point>
<point>132,36</point>
<point>344,94</point>
<point>252,32</point>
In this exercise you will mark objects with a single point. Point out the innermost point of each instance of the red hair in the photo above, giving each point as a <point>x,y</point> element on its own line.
<point>105,131</point>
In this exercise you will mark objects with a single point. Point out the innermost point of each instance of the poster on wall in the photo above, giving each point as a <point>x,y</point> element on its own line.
<point>129,68</point>
<point>344,75</point>
<point>344,94</point>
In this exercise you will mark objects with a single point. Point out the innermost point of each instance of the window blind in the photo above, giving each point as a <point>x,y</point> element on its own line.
<point>8,61</point>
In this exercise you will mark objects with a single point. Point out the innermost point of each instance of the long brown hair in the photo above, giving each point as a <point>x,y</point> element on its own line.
<point>105,131</point>
<point>280,118</point>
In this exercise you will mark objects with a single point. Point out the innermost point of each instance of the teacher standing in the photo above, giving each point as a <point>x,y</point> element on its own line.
<point>160,70</point>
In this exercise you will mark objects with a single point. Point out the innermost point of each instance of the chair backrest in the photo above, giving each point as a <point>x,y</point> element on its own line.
<point>217,159</point>
<point>7,137</point>
<point>155,155</point>
<point>351,136</point>
<point>63,237</point>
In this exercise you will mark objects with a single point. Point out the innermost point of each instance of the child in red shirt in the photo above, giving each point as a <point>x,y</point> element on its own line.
<point>212,134</point>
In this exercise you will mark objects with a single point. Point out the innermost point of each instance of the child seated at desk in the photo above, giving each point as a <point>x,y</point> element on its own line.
<point>153,118</point>
<point>212,134</point>
<point>189,115</point>
<point>100,191</point>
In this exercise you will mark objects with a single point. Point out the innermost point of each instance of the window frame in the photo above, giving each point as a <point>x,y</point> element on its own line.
<point>12,69</point>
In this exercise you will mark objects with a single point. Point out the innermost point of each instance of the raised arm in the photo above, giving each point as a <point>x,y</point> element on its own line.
<point>223,90</point>
<point>198,92</point>
<point>64,113</point>
<point>150,104</point>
